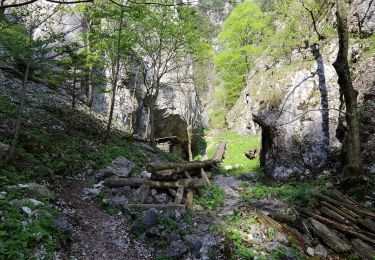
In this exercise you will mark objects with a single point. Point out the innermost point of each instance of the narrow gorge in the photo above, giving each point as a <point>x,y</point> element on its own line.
<point>187,129</point>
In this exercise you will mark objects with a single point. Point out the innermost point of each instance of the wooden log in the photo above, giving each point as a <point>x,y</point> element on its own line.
<point>329,237</point>
<point>158,206</point>
<point>189,198</point>
<point>339,211</point>
<point>368,224</point>
<point>359,211</point>
<point>180,167</point>
<point>219,154</point>
<point>187,175</point>
<point>348,230</point>
<point>144,193</point>
<point>179,195</point>
<point>333,215</point>
<point>267,221</point>
<point>137,182</point>
<point>205,177</point>
<point>363,250</point>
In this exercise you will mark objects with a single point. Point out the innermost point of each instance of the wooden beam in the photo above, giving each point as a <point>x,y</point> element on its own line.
<point>179,195</point>
<point>137,182</point>
<point>158,206</point>
<point>205,177</point>
<point>144,193</point>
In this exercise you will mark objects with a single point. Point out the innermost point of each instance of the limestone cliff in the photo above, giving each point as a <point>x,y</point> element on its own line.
<point>296,107</point>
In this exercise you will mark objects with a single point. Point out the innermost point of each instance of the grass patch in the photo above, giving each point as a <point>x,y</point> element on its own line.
<point>22,236</point>
<point>235,152</point>
<point>297,193</point>
<point>210,197</point>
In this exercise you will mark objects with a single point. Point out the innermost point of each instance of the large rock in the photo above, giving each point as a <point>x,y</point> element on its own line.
<point>121,167</point>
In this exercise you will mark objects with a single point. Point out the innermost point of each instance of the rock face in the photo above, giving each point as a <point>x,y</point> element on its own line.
<point>362,17</point>
<point>297,109</point>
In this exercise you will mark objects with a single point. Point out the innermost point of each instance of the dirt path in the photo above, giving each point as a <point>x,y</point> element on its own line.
<point>95,233</point>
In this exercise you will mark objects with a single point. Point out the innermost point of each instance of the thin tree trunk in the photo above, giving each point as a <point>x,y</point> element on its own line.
<point>90,67</point>
<point>115,76</point>
<point>189,135</point>
<point>152,127</point>
<point>147,123</point>
<point>352,164</point>
<point>74,89</point>
<point>17,130</point>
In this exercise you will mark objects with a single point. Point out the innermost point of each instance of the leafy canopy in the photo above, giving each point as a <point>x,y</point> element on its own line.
<point>244,36</point>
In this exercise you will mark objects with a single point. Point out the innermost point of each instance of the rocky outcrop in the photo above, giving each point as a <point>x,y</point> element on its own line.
<point>297,108</point>
<point>362,17</point>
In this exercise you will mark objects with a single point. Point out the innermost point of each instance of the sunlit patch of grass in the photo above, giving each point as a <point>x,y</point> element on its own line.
<point>235,161</point>
<point>298,193</point>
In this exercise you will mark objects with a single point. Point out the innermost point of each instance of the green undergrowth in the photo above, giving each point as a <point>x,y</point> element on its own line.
<point>210,197</point>
<point>235,162</point>
<point>55,142</point>
<point>296,193</point>
<point>23,237</point>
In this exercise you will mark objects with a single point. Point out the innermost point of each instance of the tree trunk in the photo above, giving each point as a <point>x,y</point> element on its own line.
<point>17,129</point>
<point>189,136</point>
<point>115,75</point>
<point>352,164</point>
<point>74,89</point>
<point>90,67</point>
<point>152,126</point>
<point>147,123</point>
<point>137,182</point>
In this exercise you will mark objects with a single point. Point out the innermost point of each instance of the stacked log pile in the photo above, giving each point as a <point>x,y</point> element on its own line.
<point>178,178</point>
<point>343,225</point>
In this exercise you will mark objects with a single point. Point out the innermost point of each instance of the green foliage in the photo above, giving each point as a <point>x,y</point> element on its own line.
<point>235,151</point>
<point>210,197</point>
<point>21,236</point>
<point>280,251</point>
<point>299,193</point>
<point>168,223</point>
<point>243,37</point>
<point>235,229</point>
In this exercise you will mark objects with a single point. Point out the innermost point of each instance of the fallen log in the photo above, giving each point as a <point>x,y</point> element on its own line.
<point>137,182</point>
<point>357,210</point>
<point>158,206</point>
<point>368,224</point>
<point>348,230</point>
<point>329,237</point>
<point>333,215</point>
<point>265,220</point>
<point>219,154</point>
<point>363,250</point>
<point>339,211</point>
<point>180,167</point>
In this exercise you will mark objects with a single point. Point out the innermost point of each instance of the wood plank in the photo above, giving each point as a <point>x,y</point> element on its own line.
<point>137,182</point>
<point>158,206</point>
<point>187,174</point>
<point>329,237</point>
<point>189,198</point>
<point>219,154</point>
<point>205,177</point>
<point>179,195</point>
<point>144,193</point>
